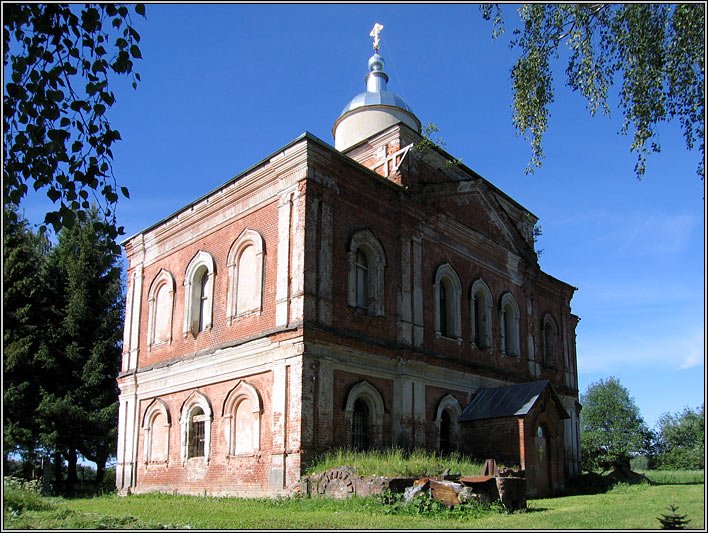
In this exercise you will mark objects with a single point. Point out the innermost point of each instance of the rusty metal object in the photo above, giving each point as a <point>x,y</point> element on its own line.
<point>445,491</point>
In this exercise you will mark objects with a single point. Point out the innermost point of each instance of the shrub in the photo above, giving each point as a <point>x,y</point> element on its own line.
<point>425,504</point>
<point>20,495</point>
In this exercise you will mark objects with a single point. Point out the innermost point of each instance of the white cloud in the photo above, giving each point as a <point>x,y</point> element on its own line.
<point>632,232</point>
<point>658,233</point>
<point>695,352</point>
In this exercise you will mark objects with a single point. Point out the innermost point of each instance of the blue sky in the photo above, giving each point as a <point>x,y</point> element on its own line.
<point>226,85</point>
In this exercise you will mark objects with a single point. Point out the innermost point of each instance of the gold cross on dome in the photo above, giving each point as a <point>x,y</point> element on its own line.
<point>375,34</point>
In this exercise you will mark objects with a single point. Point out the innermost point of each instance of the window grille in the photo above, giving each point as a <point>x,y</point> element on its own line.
<point>197,425</point>
<point>360,423</point>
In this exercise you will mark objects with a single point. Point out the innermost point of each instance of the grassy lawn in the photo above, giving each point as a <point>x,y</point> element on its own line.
<point>624,507</point>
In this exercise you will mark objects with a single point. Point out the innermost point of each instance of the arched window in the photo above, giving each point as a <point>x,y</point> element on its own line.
<point>160,309</point>
<point>196,432</point>
<point>509,317</point>
<point>481,311</point>
<point>549,336</point>
<point>242,411</point>
<point>360,426</point>
<point>448,292</point>
<point>446,416</point>
<point>245,273</point>
<point>156,432</point>
<point>195,425</point>
<point>362,286</point>
<point>444,325</point>
<point>366,273</point>
<point>203,300</point>
<point>364,412</point>
<point>199,293</point>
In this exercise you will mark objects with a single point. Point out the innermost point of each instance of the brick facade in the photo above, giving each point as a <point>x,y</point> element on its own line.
<point>307,351</point>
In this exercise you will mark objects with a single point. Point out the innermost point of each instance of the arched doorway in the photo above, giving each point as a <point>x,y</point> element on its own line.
<point>445,432</point>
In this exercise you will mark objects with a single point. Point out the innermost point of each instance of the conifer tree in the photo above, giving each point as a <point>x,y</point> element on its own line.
<point>22,331</point>
<point>673,520</point>
<point>78,409</point>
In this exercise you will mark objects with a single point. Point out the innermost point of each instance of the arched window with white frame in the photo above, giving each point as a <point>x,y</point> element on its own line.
<point>364,413</point>
<point>160,309</point>
<point>242,412</point>
<point>481,305</point>
<point>367,261</point>
<point>195,427</point>
<point>245,264</point>
<point>509,318</point>
<point>448,293</point>
<point>549,336</point>
<point>156,432</point>
<point>199,293</point>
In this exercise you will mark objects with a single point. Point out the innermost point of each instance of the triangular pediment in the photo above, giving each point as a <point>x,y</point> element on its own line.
<point>479,206</point>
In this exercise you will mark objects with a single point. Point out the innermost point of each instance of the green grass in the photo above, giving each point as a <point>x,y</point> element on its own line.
<point>675,477</point>
<point>623,507</point>
<point>396,463</point>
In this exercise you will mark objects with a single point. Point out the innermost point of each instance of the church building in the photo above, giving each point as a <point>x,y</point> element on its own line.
<point>372,294</point>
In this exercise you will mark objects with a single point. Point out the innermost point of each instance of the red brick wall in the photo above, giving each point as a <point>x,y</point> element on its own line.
<point>224,473</point>
<point>496,438</point>
<point>363,201</point>
<point>217,242</point>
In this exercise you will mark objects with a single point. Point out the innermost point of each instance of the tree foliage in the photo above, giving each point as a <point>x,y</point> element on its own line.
<point>612,430</point>
<point>69,356</point>
<point>22,328</point>
<point>681,440</point>
<point>657,50</point>
<point>57,135</point>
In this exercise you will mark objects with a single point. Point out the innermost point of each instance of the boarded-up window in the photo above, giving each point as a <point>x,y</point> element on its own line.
<point>158,438</point>
<point>163,314</point>
<point>480,320</point>
<point>160,309</point>
<point>244,427</point>
<point>248,284</point>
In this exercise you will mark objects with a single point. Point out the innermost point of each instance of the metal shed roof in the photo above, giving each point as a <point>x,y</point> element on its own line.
<point>510,400</point>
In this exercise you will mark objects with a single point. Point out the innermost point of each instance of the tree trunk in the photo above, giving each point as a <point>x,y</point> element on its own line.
<point>100,468</point>
<point>57,473</point>
<point>71,475</point>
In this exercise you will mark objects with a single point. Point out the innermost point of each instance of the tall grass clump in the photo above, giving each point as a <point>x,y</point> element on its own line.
<point>675,477</point>
<point>20,495</point>
<point>395,462</point>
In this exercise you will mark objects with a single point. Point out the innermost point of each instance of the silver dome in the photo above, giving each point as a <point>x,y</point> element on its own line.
<point>368,98</point>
